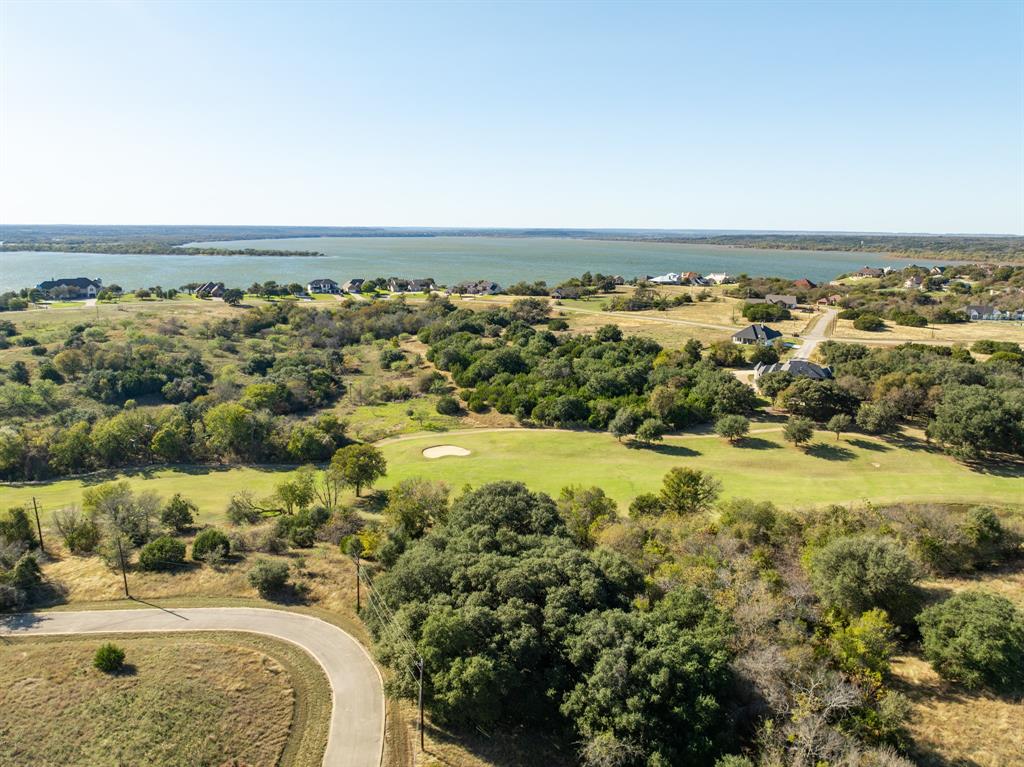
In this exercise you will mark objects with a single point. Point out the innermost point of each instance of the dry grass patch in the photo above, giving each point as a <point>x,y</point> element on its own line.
<point>185,699</point>
<point>961,333</point>
<point>951,726</point>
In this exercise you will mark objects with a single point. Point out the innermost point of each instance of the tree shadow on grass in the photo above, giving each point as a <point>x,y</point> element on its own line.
<point>830,452</point>
<point>865,444</point>
<point>676,451</point>
<point>758,443</point>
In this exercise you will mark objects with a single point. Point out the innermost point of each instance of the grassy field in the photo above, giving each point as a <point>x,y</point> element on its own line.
<point>763,467</point>
<point>185,699</point>
<point>963,333</point>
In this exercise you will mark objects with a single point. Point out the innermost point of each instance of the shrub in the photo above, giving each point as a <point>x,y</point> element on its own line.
<point>765,312</point>
<point>109,658</point>
<point>178,513</point>
<point>646,504</point>
<point>976,639</point>
<point>448,405</point>
<point>210,543</point>
<point>865,646</point>
<point>162,554</point>
<point>854,574</point>
<point>558,324</point>
<point>267,576</point>
<point>869,322</point>
<point>15,527</point>
<point>986,346</point>
<point>81,535</point>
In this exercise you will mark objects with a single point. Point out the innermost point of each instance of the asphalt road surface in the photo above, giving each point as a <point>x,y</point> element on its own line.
<point>356,736</point>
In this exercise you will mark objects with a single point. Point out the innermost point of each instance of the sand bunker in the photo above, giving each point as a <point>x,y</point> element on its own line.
<point>440,451</point>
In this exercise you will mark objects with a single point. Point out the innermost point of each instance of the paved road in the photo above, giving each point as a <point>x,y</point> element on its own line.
<point>819,331</point>
<point>356,737</point>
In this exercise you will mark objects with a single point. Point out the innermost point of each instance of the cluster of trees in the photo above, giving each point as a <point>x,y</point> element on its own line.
<point>691,628</point>
<point>500,360</point>
<point>644,297</point>
<point>76,409</point>
<point>972,409</point>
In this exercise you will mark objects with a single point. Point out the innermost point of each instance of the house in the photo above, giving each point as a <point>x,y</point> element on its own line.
<point>756,334</point>
<point>71,287</point>
<point>398,285</point>
<point>719,278</point>
<point>618,279</point>
<point>804,284</point>
<point>869,271</point>
<point>992,313</point>
<point>666,279</point>
<point>210,290</point>
<point>798,368</point>
<point>913,283</point>
<point>324,285</point>
<point>692,278</point>
<point>832,300</point>
<point>477,288</point>
<point>781,300</point>
<point>353,286</point>
<point>935,271</point>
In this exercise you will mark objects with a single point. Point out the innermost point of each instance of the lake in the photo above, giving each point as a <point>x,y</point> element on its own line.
<point>446,259</point>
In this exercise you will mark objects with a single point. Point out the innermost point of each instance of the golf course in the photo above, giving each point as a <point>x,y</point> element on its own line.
<point>763,466</point>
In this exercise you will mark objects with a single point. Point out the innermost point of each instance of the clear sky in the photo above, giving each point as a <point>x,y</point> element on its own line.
<point>865,116</point>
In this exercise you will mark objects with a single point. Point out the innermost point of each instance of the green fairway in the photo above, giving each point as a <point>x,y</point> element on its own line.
<point>763,467</point>
<point>209,488</point>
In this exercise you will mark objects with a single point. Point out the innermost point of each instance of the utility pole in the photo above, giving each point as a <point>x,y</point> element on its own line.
<point>124,572</point>
<point>39,527</point>
<point>420,667</point>
<point>359,597</point>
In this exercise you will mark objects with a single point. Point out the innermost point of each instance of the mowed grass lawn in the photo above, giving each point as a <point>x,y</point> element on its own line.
<point>765,467</point>
<point>183,699</point>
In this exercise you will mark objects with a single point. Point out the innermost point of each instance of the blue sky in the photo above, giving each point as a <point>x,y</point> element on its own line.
<point>864,116</point>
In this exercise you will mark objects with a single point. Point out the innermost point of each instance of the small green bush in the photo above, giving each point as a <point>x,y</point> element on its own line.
<point>869,322</point>
<point>210,542</point>
<point>558,324</point>
<point>448,405</point>
<point>267,576</point>
<point>976,639</point>
<point>162,554</point>
<point>178,513</point>
<point>109,658</point>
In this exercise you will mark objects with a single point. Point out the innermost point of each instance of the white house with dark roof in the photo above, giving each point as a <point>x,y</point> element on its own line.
<point>71,287</point>
<point>324,285</point>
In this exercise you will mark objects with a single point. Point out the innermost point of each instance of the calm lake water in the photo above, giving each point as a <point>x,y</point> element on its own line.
<point>446,259</point>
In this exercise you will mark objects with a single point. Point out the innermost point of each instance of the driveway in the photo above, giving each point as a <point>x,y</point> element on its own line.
<point>356,737</point>
<point>819,331</point>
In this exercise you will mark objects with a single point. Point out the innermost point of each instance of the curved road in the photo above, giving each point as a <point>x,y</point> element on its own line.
<point>356,737</point>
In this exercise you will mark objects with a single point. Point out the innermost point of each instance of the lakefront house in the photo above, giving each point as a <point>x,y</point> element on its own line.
<point>324,285</point>
<point>70,287</point>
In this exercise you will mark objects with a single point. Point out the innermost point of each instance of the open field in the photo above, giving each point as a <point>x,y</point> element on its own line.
<point>184,699</point>
<point>961,333</point>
